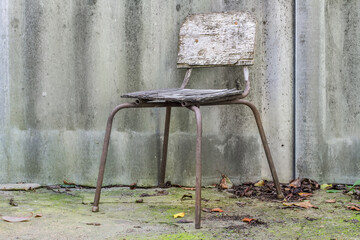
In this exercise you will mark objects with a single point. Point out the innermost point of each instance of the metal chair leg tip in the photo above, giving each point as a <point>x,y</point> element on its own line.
<point>280,196</point>
<point>95,208</point>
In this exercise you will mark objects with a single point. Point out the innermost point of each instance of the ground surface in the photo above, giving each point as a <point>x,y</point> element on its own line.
<point>67,215</point>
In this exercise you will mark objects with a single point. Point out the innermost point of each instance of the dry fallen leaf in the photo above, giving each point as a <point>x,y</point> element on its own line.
<point>38,215</point>
<point>248,220</point>
<point>223,184</point>
<point>295,183</point>
<point>216,210</point>
<point>208,210</point>
<point>185,196</point>
<point>302,194</point>
<point>240,204</point>
<point>189,188</point>
<point>305,204</point>
<point>355,208</point>
<point>68,183</point>
<point>179,215</point>
<point>330,201</point>
<point>133,186</point>
<point>16,219</point>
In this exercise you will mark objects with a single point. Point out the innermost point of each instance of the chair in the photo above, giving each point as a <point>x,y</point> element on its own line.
<point>206,40</point>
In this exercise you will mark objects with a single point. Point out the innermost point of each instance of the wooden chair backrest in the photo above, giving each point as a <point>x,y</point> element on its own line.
<point>217,39</point>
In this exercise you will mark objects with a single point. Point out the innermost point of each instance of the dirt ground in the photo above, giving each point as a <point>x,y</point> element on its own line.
<point>66,214</point>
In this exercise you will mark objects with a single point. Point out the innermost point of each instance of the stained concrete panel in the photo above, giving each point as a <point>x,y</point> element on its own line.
<point>327,90</point>
<point>68,63</point>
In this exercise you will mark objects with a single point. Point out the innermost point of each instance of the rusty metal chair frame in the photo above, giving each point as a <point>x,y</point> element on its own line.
<point>195,107</point>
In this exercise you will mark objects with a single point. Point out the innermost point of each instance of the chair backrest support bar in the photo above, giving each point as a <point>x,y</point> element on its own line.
<point>186,78</point>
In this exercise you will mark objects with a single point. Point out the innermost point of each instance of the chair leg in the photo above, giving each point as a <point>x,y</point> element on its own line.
<point>266,147</point>
<point>198,166</point>
<point>104,154</point>
<point>165,148</point>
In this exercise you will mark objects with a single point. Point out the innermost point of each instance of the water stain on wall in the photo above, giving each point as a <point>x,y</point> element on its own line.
<point>32,61</point>
<point>83,21</point>
<point>133,37</point>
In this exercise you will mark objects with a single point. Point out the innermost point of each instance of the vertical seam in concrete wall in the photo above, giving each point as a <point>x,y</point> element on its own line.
<point>83,24</point>
<point>295,88</point>
<point>4,60</point>
<point>4,84</point>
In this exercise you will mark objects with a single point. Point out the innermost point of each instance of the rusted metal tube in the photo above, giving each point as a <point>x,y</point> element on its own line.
<point>266,146</point>
<point>155,104</point>
<point>104,153</point>
<point>247,83</point>
<point>246,90</point>
<point>198,166</point>
<point>185,104</point>
<point>186,78</point>
<point>262,136</point>
<point>139,101</point>
<point>107,140</point>
<point>165,147</point>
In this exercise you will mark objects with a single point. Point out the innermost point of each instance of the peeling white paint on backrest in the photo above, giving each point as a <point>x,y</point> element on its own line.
<point>217,39</point>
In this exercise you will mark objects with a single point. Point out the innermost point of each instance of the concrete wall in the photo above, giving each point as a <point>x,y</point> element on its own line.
<point>327,90</point>
<point>64,65</point>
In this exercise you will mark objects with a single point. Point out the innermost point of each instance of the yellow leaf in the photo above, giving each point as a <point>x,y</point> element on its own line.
<point>325,186</point>
<point>287,204</point>
<point>259,183</point>
<point>179,215</point>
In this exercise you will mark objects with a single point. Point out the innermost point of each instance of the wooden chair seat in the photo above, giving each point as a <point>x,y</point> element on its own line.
<point>186,95</point>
